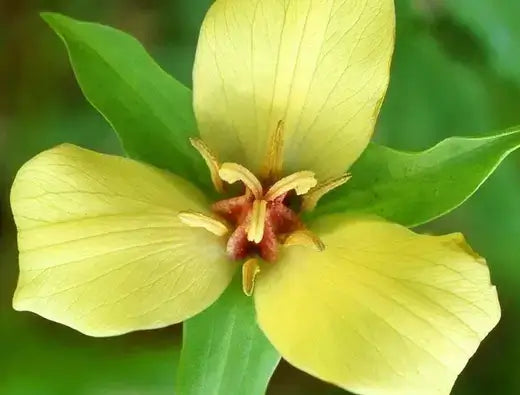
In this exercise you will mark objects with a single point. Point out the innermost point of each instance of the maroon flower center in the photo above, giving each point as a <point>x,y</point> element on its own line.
<point>280,220</point>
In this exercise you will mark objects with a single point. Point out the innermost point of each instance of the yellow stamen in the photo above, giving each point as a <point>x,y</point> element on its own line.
<point>250,270</point>
<point>274,157</point>
<point>255,228</point>
<point>233,172</point>
<point>199,220</point>
<point>211,162</point>
<point>300,181</point>
<point>304,238</point>
<point>310,200</point>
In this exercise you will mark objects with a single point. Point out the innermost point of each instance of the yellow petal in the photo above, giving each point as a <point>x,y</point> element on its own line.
<point>381,310</point>
<point>321,66</point>
<point>102,249</point>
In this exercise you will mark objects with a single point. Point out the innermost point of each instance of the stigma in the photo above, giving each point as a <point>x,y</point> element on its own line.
<point>261,217</point>
<point>265,216</point>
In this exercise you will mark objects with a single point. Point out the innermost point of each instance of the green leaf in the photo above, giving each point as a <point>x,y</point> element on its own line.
<point>150,111</point>
<point>414,188</point>
<point>224,351</point>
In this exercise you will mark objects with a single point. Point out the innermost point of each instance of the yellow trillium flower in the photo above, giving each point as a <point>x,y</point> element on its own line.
<point>286,95</point>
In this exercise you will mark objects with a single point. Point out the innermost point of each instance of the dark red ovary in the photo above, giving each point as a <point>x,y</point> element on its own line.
<point>279,220</point>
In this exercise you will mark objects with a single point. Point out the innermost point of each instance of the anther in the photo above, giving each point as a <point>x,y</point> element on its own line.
<point>233,172</point>
<point>199,220</point>
<point>301,182</point>
<point>304,238</point>
<point>250,270</point>
<point>310,200</point>
<point>255,228</point>
<point>274,157</point>
<point>211,162</point>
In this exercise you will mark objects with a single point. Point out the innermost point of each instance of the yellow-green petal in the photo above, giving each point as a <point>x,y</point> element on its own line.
<point>321,66</point>
<point>101,247</point>
<point>381,310</point>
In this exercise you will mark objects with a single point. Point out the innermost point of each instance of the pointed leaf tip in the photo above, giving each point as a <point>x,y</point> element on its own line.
<point>150,111</point>
<point>412,188</point>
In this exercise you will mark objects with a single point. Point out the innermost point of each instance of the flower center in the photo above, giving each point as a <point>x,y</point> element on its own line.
<point>260,221</point>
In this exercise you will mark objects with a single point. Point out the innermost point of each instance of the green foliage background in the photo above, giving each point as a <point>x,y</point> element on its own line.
<point>456,71</point>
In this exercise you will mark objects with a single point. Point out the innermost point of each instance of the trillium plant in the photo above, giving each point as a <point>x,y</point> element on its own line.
<point>257,211</point>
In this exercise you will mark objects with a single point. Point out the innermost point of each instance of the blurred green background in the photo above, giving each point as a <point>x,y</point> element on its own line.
<point>456,71</point>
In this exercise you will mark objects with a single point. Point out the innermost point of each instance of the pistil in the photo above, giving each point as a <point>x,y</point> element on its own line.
<point>261,217</point>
